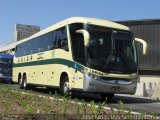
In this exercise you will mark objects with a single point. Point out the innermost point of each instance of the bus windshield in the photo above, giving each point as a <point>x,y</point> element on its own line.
<point>111,50</point>
<point>4,68</point>
<point>6,61</point>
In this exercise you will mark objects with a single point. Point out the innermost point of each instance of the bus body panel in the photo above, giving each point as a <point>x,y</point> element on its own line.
<point>106,86</point>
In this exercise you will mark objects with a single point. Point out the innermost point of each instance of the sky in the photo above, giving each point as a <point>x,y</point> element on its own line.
<point>45,13</point>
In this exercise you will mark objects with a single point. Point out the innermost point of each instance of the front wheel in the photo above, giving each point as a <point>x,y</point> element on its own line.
<point>64,88</point>
<point>109,96</point>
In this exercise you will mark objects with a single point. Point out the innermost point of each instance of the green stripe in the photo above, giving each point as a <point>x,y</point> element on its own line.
<point>51,61</point>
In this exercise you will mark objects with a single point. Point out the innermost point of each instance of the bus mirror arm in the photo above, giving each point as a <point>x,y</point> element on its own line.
<point>144,43</point>
<point>86,36</point>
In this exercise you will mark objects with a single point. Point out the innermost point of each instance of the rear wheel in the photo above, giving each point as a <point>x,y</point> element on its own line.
<point>64,88</point>
<point>109,96</point>
<point>23,82</point>
<point>20,83</point>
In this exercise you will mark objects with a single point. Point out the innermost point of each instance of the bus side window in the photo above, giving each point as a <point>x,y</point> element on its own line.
<point>50,41</point>
<point>62,41</point>
<point>16,51</point>
<point>34,49</point>
<point>77,42</point>
<point>26,48</point>
<point>22,49</point>
<point>79,45</point>
<point>40,43</point>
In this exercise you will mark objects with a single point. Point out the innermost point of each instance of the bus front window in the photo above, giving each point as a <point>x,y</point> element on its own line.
<point>100,46</point>
<point>4,68</point>
<point>111,50</point>
<point>77,43</point>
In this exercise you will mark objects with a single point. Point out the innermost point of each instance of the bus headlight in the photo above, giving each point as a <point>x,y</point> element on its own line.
<point>93,76</point>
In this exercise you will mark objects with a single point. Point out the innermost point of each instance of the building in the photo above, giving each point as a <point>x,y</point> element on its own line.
<point>23,31</point>
<point>149,30</point>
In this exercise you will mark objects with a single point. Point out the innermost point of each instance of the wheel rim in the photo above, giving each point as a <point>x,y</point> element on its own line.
<point>66,89</point>
<point>24,84</point>
<point>20,81</point>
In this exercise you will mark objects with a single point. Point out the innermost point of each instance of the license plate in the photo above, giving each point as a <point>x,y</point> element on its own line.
<point>115,88</point>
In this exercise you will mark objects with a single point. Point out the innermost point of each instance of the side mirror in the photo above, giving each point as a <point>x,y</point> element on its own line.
<point>144,43</point>
<point>86,36</point>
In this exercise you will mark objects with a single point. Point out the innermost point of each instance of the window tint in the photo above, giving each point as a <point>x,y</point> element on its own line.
<point>49,41</point>
<point>25,45</point>
<point>33,48</point>
<point>40,43</point>
<point>61,39</point>
<point>22,49</point>
<point>17,52</point>
<point>77,42</point>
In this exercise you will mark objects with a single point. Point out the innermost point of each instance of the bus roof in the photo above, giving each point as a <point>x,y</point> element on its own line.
<point>96,21</point>
<point>9,56</point>
<point>86,20</point>
<point>71,20</point>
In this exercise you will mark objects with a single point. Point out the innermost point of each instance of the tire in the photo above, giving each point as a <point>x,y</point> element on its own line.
<point>20,83</point>
<point>108,96</point>
<point>23,83</point>
<point>64,88</point>
<point>73,94</point>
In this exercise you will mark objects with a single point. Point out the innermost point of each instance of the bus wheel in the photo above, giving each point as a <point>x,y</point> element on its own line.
<point>23,84</point>
<point>108,96</point>
<point>20,83</point>
<point>64,88</point>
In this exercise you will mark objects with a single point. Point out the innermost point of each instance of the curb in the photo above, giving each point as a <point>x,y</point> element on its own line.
<point>105,107</point>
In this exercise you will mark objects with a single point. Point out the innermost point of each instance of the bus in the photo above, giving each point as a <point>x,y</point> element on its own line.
<point>6,61</point>
<point>79,54</point>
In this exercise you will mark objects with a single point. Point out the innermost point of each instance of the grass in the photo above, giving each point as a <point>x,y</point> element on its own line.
<point>14,103</point>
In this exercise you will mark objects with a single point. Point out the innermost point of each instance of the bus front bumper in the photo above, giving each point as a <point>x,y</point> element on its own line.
<point>5,79</point>
<point>109,86</point>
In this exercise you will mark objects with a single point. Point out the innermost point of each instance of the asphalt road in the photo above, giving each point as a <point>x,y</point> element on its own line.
<point>136,103</point>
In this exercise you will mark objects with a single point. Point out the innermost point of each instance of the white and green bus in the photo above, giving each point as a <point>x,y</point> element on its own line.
<point>79,54</point>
